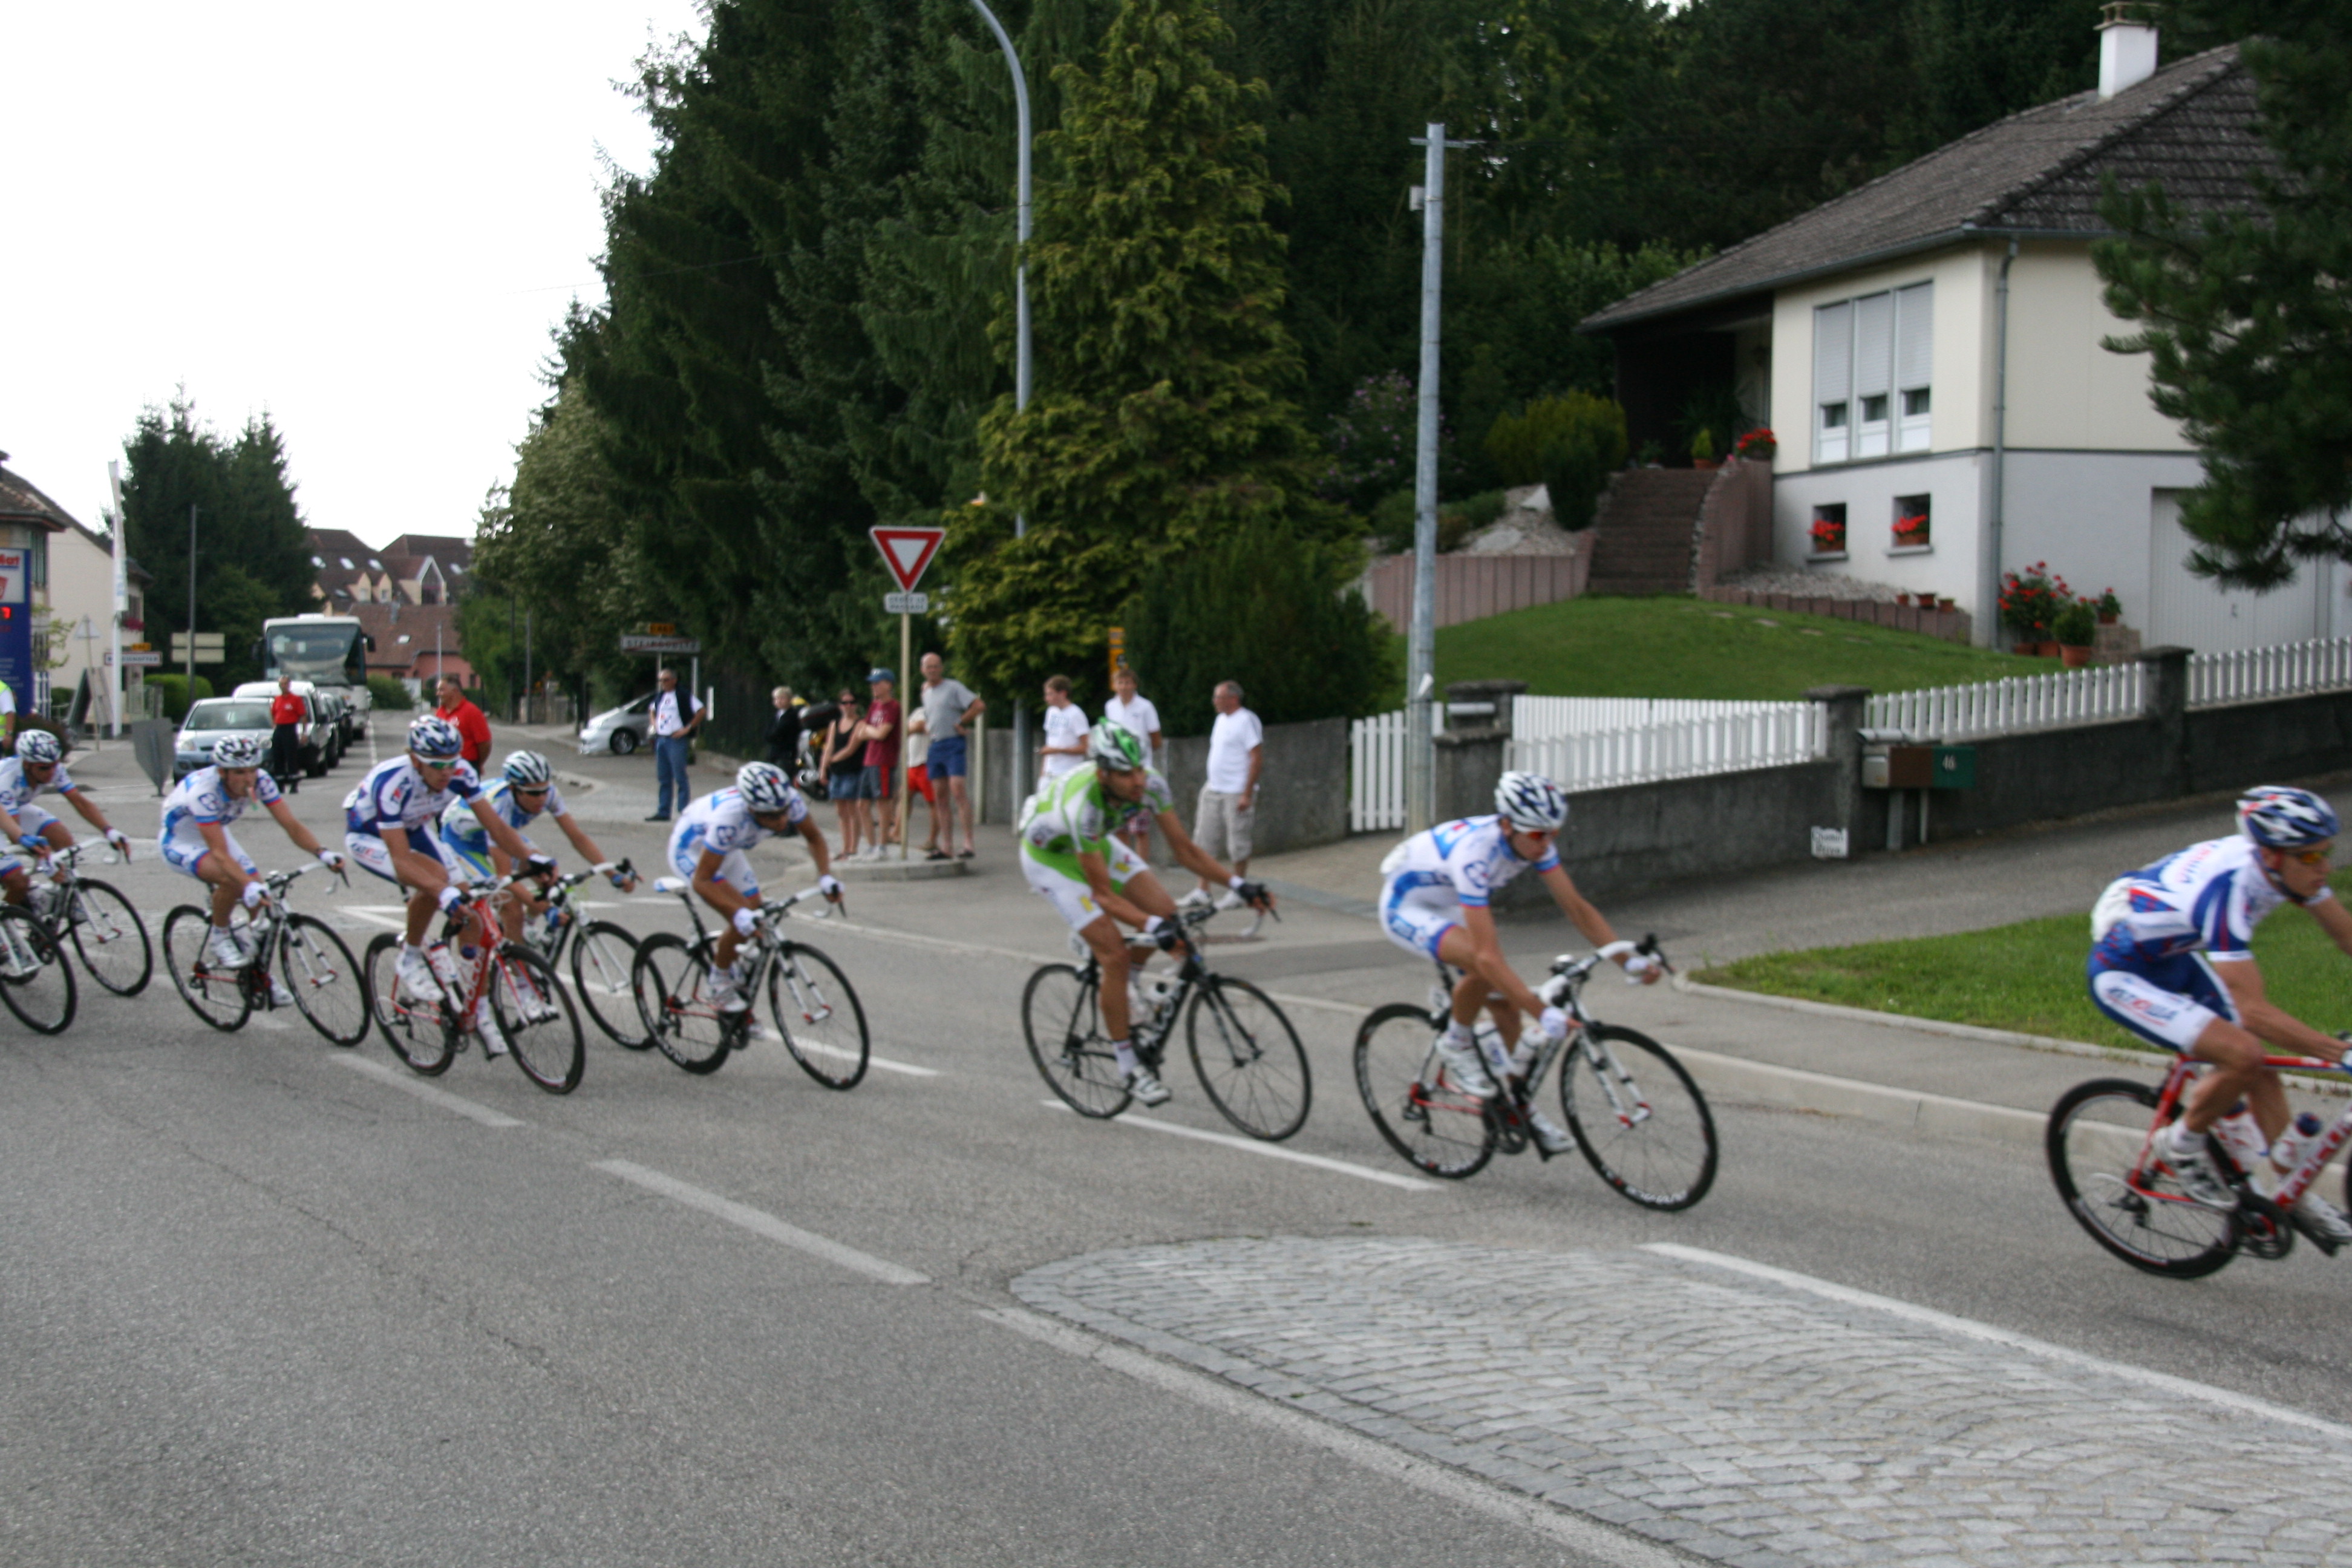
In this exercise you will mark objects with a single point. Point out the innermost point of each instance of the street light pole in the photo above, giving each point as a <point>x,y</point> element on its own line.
<point>1420,647</point>
<point>192,600</point>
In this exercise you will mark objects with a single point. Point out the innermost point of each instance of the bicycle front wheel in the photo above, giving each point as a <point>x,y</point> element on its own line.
<point>672,982</point>
<point>542,1031</point>
<point>1638,1117</point>
<point>818,1013</point>
<point>2097,1144</point>
<point>108,938</point>
<point>217,995</point>
<point>602,955</point>
<point>35,982</point>
<point>419,1033</point>
<point>1248,1058</point>
<point>325,978</point>
<point>1063,1025</point>
<point>1435,1126</point>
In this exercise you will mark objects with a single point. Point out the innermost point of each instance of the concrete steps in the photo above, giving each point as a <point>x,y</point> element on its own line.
<point>1645,531</point>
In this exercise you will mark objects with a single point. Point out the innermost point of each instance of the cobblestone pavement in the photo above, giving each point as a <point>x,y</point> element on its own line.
<point>1741,1420</point>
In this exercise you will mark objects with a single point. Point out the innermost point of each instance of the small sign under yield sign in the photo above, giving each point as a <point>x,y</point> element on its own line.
<point>907,551</point>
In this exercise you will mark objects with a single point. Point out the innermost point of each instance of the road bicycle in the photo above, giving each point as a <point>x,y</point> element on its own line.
<point>1243,1050</point>
<point>103,929</point>
<point>1632,1108</point>
<point>318,970</point>
<point>603,957</point>
<point>36,984</point>
<point>519,986</point>
<point>810,1000</point>
<point>2099,1141</point>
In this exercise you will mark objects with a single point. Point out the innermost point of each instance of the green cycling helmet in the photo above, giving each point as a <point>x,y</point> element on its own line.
<point>1116,747</point>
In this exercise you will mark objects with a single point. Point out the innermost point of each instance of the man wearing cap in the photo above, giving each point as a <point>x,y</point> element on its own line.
<point>881,732</point>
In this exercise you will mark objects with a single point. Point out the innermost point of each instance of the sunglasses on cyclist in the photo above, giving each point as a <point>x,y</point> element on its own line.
<point>531,789</point>
<point>2318,857</point>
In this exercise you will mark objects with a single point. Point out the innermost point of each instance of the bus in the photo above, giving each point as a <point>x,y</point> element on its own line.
<point>328,651</point>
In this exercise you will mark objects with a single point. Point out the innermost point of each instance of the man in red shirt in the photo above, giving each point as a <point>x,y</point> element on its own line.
<point>473,725</point>
<point>288,713</point>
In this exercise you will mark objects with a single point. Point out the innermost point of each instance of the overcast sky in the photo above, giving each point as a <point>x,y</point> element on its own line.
<point>362,222</point>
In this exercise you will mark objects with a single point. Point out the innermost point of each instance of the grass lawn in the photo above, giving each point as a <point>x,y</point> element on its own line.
<point>1689,647</point>
<point>2028,976</point>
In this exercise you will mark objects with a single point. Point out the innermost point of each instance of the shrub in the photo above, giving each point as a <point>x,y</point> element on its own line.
<point>1392,521</point>
<point>1373,441</point>
<point>385,692</point>
<point>176,698</point>
<point>2076,624</point>
<point>1569,445</point>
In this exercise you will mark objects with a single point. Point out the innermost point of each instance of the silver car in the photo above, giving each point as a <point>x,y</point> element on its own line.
<point>619,731</point>
<point>214,719</point>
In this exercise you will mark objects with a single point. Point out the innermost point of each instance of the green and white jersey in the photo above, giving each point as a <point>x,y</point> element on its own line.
<point>1074,815</point>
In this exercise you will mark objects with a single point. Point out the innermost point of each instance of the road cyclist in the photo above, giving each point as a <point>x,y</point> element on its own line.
<point>390,820</point>
<point>1073,857</point>
<point>523,792</point>
<point>710,848</point>
<point>37,769</point>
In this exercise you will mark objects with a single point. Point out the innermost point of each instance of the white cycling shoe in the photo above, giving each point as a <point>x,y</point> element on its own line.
<point>2201,1181</point>
<point>413,974</point>
<point>223,950</point>
<point>1550,1136</point>
<point>2322,1218</point>
<point>485,1024</point>
<point>1147,1090</point>
<point>727,993</point>
<point>278,996</point>
<point>1465,1072</point>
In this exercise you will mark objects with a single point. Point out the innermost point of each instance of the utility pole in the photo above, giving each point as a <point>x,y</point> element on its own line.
<point>1021,360</point>
<point>1420,647</point>
<point>192,600</point>
<point>117,685</point>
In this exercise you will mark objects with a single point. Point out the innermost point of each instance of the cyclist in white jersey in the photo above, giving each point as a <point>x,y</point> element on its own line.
<point>523,792</point>
<point>710,848</point>
<point>195,841</point>
<point>389,821</point>
<point>38,769</point>
<point>1437,900</point>
<point>2173,960</point>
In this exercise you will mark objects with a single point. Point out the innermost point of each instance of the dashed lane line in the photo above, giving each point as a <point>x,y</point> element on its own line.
<point>1271,1151</point>
<point>761,1222</point>
<point>427,1092</point>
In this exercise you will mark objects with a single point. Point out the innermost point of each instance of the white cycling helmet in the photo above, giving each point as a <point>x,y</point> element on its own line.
<point>1116,747</point>
<point>237,751</point>
<point>527,768</point>
<point>1531,802</point>
<point>766,788</point>
<point>2280,816</point>
<point>38,746</point>
<point>435,739</point>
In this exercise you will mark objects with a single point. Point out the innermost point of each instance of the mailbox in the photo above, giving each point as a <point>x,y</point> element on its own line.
<point>1919,767</point>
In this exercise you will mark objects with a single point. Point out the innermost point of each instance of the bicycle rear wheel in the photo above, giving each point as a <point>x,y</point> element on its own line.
<point>36,981</point>
<point>1064,1027</point>
<point>602,956</point>
<point>419,1033</point>
<point>1248,1058</point>
<point>817,1012</point>
<point>542,1031</point>
<point>217,995</point>
<point>1638,1117</point>
<point>2097,1138</point>
<point>108,938</point>
<point>325,978</point>
<point>1435,1126</point>
<point>672,983</point>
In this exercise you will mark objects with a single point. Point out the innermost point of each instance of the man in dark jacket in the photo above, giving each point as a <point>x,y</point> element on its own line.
<point>784,733</point>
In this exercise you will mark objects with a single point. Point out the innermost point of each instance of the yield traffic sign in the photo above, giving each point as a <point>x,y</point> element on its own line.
<point>908,550</point>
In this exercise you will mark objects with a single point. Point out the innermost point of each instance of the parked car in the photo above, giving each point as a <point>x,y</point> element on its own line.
<point>338,713</point>
<point>319,752</point>
<point>619,729</point>
<point>214,719</point>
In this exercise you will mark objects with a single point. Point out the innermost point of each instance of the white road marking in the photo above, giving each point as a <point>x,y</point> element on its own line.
<point>1271,1151</point>
<point>426,1091</point>
<point>1588,1538</point>
<point>761,1222</point>
<point>391,916</point>
<point>1992,1334</point>
<point>884,1063</point>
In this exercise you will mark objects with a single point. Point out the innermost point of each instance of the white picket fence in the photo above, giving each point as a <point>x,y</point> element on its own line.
<point>2261,674</point>
<point>2053,702</point>
<point>1376,759</point>
<point>1772,736</point>
<point>1541,718</point>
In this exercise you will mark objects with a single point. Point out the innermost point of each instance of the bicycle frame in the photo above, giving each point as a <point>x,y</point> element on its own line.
<point>1564,990</point>
<point>768,944</point>
<point>2186,1070</point>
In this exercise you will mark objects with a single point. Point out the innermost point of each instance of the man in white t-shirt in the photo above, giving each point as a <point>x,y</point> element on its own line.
<point>1065,731</point>
<point>675,717</point>
<point>1229,797</point>
<point>1137,716</point>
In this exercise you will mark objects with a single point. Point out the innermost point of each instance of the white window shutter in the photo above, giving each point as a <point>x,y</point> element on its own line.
<point>1915,337</point>
<point>1874,345</point>
<point>1833,353</point>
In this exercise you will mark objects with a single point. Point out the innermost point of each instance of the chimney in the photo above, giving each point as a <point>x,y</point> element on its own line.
<point>2126,46</point>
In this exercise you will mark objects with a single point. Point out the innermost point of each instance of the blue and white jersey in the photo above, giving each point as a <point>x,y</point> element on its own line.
<point>17,791</point>
<point>461,826</point>
<point>2207,899</point>
<point>392,795</point>
<point>720,822</point>
<point>201,800</point>
<point>1463,862</point>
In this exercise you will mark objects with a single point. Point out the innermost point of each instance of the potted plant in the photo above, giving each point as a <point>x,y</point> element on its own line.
<point>1828,536</point>
<point>2030,601</point>
<point>1702,449</point>
<point>1911,531</point>
<point>2074,628</point>
<point>1759,445</point>
<point>2110,608</point>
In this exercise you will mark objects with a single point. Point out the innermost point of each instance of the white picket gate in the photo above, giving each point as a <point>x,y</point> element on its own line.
<point>1376,767</point>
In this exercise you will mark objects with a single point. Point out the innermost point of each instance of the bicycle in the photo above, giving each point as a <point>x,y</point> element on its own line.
<point>815,1006</point>
<point>106,933</point>
<point>2098,1144</point>
<point>529,1003</point>
<point>319,969</point>
<point>36,982</point>
<point>1243,1050</point>
<point>1653,1142</point>
<point>603,958</point>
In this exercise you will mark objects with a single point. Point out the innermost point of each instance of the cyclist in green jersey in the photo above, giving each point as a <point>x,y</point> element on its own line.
<point>1070,855</point>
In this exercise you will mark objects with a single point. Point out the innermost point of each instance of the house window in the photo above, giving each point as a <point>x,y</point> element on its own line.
<point>36,564</point>
<point>1826,538</point>
<point>1914,522</point>
<point>1873,363</point>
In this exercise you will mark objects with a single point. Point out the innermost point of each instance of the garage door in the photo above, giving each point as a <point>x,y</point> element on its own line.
<point>2199,613</point>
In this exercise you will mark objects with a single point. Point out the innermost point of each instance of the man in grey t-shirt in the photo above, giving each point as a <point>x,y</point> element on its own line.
<point>946,706</point>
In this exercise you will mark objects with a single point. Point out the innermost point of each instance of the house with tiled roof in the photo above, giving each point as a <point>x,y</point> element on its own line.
<point>57,583</point>
<point>1929,350</point>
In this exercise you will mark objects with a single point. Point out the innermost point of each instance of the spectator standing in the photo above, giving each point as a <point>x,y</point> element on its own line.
<point>841,764</point>
<point>784,733</point>
<point>877,789</point>
<point>1065,731</point>
<point>948,707</point>
<point>1229,797</point>
<point>287,712</point>
<point>473,724</point>
<point>8,717</point>
<point>919,783</point>
<point>676,717</point>
<point>1135,715</point>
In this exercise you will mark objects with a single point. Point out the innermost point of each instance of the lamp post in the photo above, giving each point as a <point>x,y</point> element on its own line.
<point>1421,645</point>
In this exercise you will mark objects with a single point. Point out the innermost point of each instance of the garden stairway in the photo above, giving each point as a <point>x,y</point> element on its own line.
<point>1646,529</point>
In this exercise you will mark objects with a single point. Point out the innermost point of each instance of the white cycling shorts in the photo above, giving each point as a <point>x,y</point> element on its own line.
<point>369,853</point>
<point>734,867</point>
<point>1070,896</point>
<point>2175,1013</point>
<point>182,853</point>
<point>1415,921</point>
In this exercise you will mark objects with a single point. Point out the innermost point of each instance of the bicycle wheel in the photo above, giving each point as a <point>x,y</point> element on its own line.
<point>1638,1117</point>
<point>1435,1126</point>
<point>601,957</point>
<point>1066,1040</point>
<point>2097,1133</point>
<point>1248,1058</point>
<point>419,1033</point>
<point>109,939</point>
<point>541,1029</point>
<point>671,982</point>
<point>325,978</point>
<point>817,1011</point>
<point>214,995</point>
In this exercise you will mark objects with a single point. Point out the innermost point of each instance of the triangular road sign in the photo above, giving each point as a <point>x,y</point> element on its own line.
<point>907,551</point>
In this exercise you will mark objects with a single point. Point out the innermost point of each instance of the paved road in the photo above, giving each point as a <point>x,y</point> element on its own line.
<point>267,1303</point>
